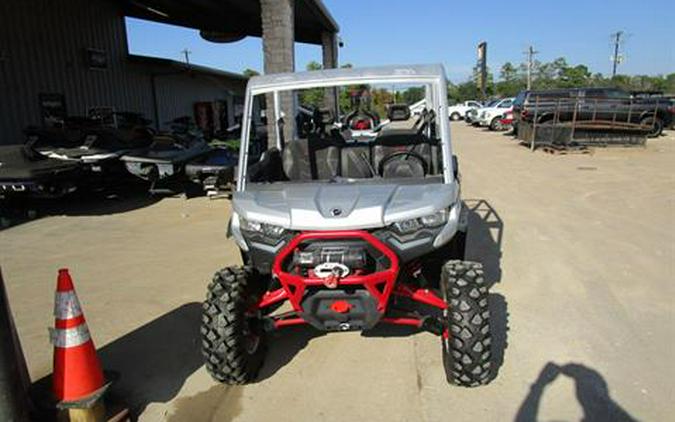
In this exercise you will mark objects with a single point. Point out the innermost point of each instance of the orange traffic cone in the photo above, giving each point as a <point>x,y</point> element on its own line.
<point>78,378</point>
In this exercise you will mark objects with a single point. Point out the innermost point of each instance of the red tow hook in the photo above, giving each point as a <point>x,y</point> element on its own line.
<point>341,306</point>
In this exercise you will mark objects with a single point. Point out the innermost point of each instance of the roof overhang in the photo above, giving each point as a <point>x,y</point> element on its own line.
<point>174,67</point>
<point>236,18</point>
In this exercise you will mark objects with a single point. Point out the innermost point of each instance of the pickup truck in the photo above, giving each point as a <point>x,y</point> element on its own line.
<point>601,106</point>
<point>458,111</point>
<point>490,116</point>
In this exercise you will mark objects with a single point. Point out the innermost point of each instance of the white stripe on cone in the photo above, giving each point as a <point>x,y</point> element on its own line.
<point>69,337</point>
<point>66,305</point>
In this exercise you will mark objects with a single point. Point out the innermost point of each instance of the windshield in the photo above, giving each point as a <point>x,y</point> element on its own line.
<point>492,103</point>
<point>345,134</point>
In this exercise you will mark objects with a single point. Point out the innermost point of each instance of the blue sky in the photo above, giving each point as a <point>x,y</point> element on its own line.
<point>425,31</point>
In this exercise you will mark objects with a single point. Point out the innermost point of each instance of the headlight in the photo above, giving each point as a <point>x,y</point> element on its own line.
<point>269,230</point>
<point>432,220</point>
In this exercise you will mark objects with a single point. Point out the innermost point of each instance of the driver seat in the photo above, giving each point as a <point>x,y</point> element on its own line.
<point>312,158</point>
<point>382,151</point>
<point>391,141</point>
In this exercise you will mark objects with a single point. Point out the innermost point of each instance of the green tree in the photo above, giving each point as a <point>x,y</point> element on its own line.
<point>313,65</point>
<point>250,72</point>
<point>508,72</point>
<point>511,81</point>
<point>312,97</point>
<point>412,94</point>
<point>571,77</point>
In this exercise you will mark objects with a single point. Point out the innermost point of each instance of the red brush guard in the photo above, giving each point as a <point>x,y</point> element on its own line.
<point>379,285</point>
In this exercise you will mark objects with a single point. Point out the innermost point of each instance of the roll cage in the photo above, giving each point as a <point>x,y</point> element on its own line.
<point>431,76</point>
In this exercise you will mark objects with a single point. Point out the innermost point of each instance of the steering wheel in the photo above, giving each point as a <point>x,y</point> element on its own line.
<point>407,154</point>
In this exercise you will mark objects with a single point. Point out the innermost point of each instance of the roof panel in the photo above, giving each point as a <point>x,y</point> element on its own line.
<point>407,73</point>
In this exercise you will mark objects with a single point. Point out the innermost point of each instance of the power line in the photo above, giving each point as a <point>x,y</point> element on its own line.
<point>531,52</point>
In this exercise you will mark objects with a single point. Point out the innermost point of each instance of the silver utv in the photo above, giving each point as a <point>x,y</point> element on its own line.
<point>342,229</point>
<point>349,197</point>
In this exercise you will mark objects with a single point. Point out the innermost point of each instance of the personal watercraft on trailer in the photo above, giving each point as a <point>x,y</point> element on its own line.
<point>164,161</point>
<point>213,171</point>
<point>25,172</point>
<point>100,152</point>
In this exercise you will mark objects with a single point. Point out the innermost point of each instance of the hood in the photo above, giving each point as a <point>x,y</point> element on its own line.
<point>335,206</point>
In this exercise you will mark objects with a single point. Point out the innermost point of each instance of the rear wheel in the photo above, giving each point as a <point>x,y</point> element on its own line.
<point>233,339</point>
<point>655,125</point>
<point>455,116</point>
<point>496,124</point>
<point>467,347</point>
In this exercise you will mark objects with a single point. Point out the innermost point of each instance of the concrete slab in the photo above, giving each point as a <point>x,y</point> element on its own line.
<point>580,250</point>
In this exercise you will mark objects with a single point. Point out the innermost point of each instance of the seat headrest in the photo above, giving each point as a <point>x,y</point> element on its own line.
<point>398,112</point>
<point>322,116</point>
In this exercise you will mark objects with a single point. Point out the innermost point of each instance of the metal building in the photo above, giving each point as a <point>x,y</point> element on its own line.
<point>68,57</point>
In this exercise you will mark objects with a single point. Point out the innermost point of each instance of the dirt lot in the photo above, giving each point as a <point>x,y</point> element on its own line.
<point>579,249</point>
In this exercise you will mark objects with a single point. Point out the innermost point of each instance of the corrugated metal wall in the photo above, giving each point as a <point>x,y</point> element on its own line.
<point>42,50</point>
<point>173,90</point>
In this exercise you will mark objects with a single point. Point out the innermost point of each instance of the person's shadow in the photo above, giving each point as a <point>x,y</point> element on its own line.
<point>592,393</point>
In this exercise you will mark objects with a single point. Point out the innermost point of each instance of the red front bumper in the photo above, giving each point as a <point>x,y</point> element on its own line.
<point>380,285</point>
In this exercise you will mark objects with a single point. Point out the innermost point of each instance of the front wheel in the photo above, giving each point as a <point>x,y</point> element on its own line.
<point>233,338</point>
<point>455,116</point>
<point>467,344</point>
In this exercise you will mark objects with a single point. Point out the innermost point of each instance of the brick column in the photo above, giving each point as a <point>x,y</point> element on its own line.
<point>329,50</point>
<point>278,37</point>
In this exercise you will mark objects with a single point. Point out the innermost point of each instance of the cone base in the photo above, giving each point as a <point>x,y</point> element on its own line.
<point>94,413</point>
<point>77,373</point>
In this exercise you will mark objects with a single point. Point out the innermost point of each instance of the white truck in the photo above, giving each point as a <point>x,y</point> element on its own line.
<point>458,111</point>
<point>490,116</point>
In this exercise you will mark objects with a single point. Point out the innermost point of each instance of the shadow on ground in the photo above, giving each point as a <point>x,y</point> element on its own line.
<point>149,364</point>
<point>284,345</point>
<point>484,240</point>
<point>592,393</point>
<point>155,359</point>
<point>122,198</point>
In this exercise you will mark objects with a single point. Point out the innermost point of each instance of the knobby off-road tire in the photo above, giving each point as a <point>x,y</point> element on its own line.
<point>467,350</point>
<point>233,343</point>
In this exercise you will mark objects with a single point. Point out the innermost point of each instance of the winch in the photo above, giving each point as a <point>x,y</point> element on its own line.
<point>351,257</point>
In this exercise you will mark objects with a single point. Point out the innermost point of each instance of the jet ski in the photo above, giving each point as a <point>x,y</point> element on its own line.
<point>163,162</point>
<point>27,173</point>
<point>213,171</point>
<point>100,151</point>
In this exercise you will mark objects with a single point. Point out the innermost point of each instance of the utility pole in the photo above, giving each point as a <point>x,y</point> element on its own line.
<point>482,67</point>
<point>530,61</point>
<point>186,53</point>
<point>616,58</point>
